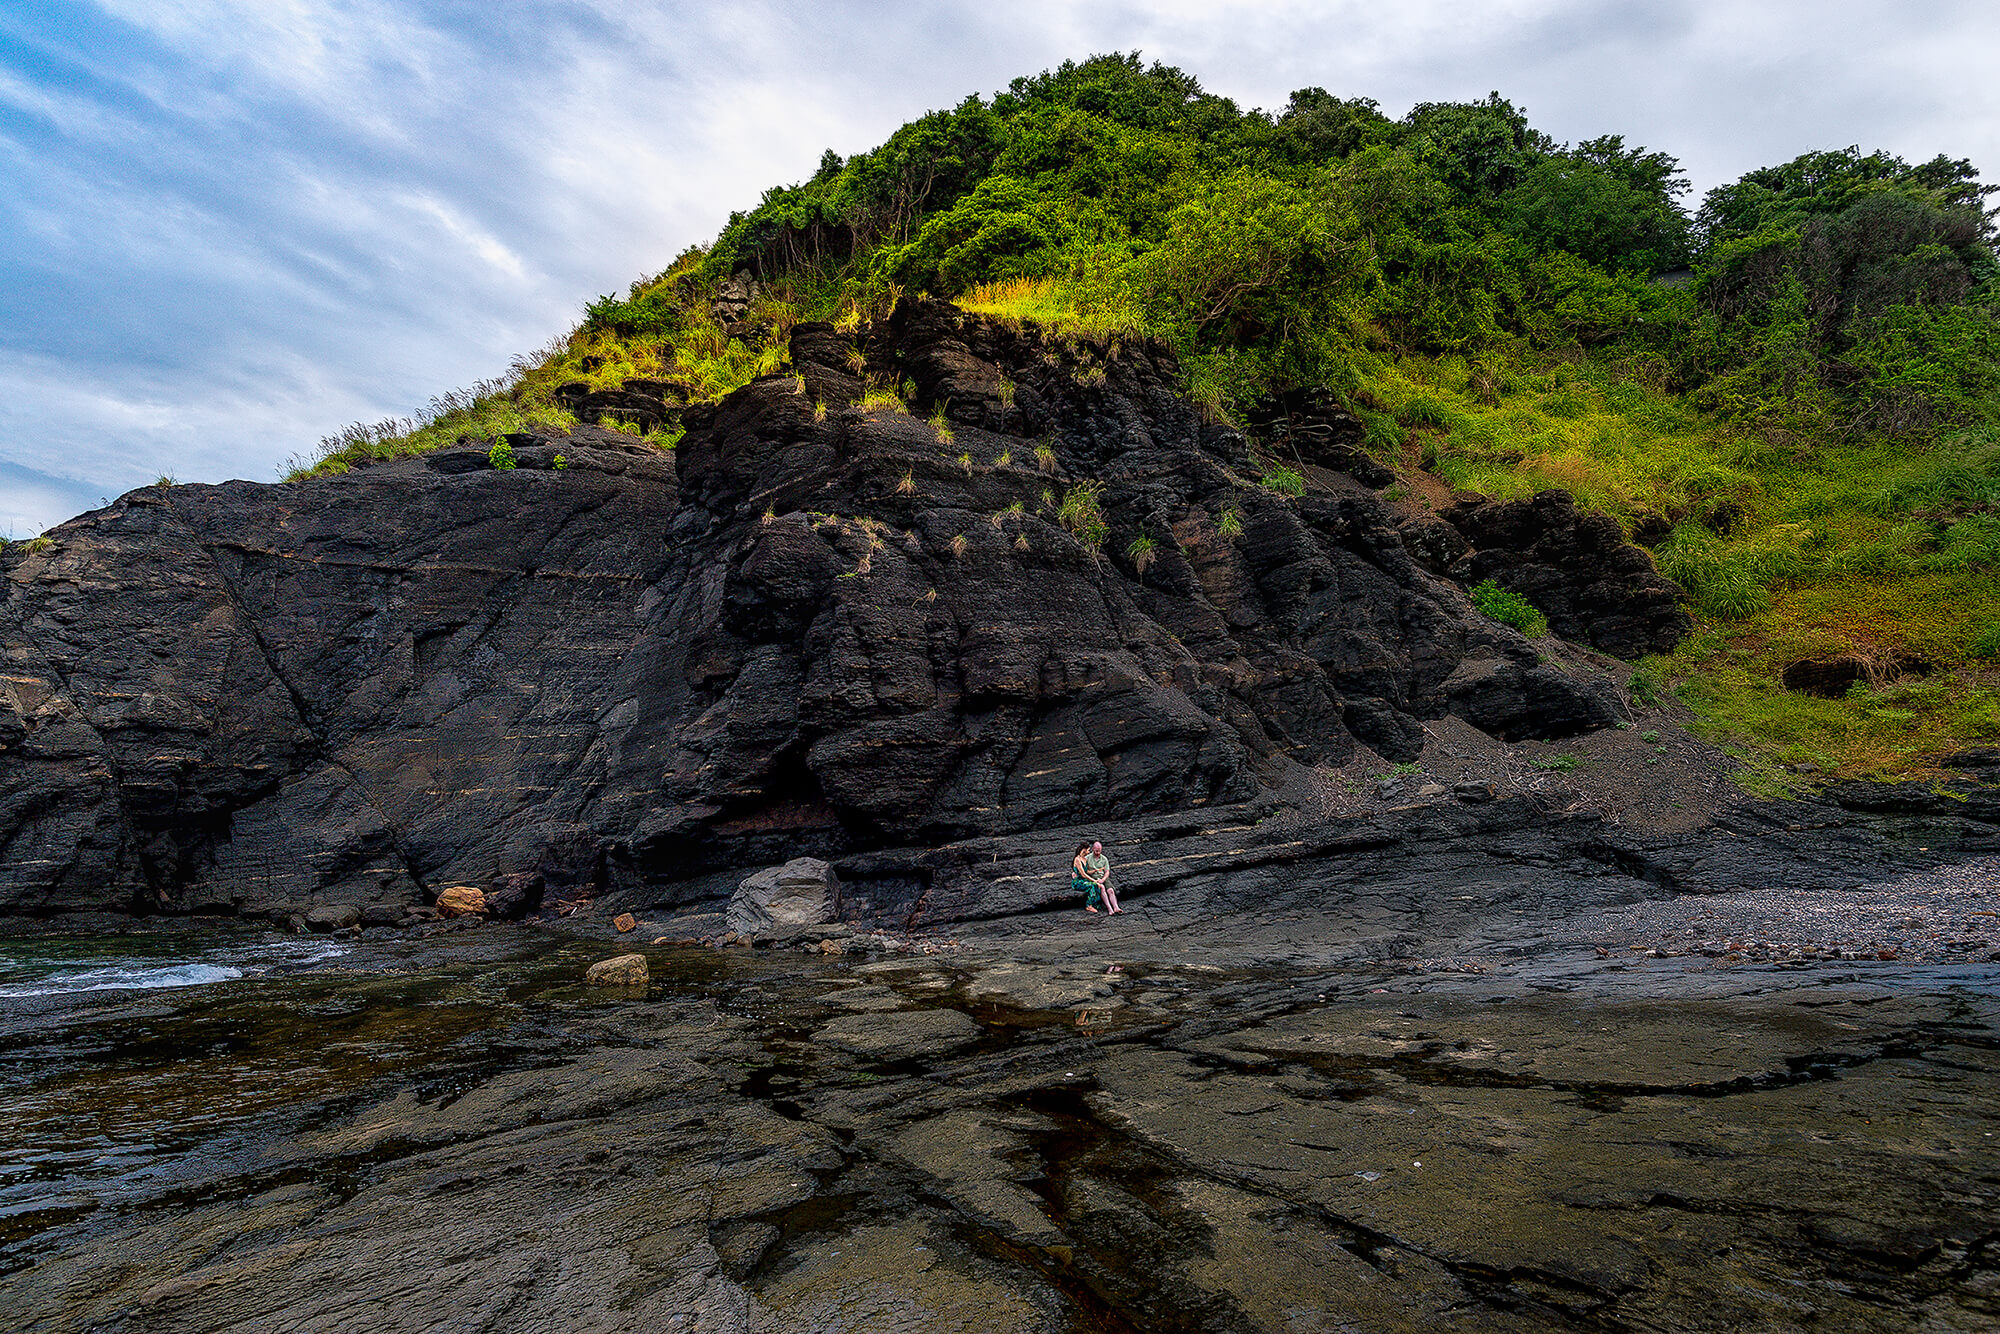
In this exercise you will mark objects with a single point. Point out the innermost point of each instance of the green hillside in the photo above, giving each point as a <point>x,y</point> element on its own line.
<point>1790,390</point>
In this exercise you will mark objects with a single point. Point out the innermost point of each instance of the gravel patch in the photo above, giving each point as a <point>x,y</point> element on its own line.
<point>1947,915</point>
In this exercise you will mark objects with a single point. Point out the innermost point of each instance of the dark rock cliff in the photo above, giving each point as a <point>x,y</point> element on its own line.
<point>813,630</point>
<point>1576,566</point>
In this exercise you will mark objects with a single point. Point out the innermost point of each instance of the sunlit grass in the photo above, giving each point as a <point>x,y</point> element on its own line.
<point>1059,307</point>
<point>1730,676</point>
<point>1789,549</point>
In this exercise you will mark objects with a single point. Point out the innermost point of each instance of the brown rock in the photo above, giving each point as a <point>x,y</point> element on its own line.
<point>627,970</point>
<point>461,901</point>
<point>624,921</point>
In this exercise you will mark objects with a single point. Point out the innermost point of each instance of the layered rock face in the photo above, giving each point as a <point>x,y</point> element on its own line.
<point>815,630</point>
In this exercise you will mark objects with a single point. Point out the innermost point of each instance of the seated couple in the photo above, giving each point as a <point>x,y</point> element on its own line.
<point>1090,876</point>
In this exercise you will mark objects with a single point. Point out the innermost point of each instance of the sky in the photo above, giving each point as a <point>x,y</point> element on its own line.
<point>229,227</point>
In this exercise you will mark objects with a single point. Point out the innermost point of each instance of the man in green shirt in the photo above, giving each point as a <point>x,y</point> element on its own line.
<point>1097,868</point>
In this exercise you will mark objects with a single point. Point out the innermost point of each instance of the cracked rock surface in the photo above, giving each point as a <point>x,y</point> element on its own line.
<point>1079,1132</point>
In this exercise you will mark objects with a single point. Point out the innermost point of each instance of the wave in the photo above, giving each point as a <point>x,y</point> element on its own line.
<point>222,965</point>
<point>124,979</point>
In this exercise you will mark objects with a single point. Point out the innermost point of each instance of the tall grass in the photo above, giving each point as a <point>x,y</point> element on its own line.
<point>1788,547</point>
<point>1061,308</point>
<point>663,329</point>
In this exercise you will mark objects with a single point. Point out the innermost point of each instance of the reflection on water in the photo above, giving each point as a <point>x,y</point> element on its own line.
<point>123,1057</point>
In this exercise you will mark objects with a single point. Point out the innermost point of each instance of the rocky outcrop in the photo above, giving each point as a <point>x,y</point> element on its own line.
<point>646,404</point>
<point>1575,566</point>
<point>812,630</point>
<point>1308,426</point>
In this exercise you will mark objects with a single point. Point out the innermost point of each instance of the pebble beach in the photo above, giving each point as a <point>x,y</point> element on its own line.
<point>1947,915</point>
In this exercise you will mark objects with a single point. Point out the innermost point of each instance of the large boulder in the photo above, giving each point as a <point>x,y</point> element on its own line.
<point>333,917</point>
<point>461,901</point>
<point>803,892</point>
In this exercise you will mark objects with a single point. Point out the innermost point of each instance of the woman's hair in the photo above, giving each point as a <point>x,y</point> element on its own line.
<point>1081,848</point>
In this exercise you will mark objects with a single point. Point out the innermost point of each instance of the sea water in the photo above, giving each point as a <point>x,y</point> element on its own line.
<point>126,1058</point>
<point>62,965</point>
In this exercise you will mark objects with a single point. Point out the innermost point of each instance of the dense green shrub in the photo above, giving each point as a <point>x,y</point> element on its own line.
<point>1648,689</point>
<point>1081,513</point>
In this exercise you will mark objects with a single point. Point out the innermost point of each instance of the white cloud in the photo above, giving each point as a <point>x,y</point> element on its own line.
<point>475,239</point>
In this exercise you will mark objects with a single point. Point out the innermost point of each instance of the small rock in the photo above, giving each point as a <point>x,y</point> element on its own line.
<point>831,947</point>
<point>1431,790</point>
<point>460,901</point>
<point>1472,794</point>
<point>624,921</point>
<point>1389,789</point>
<point>627,970</point>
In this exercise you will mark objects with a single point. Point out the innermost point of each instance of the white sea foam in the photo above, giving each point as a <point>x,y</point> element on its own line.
<point>126,978</point>
<point>220,965</point>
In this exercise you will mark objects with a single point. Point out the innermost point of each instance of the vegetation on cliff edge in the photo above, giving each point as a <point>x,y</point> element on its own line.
<point>1790,390</point>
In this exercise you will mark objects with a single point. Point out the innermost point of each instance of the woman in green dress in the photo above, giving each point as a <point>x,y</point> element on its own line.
<point>1092,891</point>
